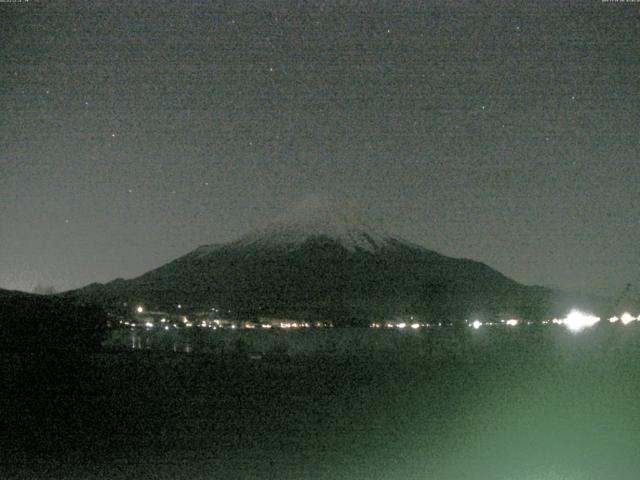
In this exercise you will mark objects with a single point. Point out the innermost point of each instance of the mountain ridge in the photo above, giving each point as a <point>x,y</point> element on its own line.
<point>317,262</point>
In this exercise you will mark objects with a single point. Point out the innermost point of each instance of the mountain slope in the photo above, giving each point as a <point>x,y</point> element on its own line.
<point>322,262</point>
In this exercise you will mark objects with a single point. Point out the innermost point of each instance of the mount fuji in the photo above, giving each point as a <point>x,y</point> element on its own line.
<point>321,261</point>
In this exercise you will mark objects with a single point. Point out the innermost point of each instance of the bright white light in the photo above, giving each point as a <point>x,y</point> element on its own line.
<point>140,309</point>
<point>476,324</point>
<point>577,320</point>
<point>402,325</point>
<point>415,326</point>
<point>613,319</point>
<point>626,318</point>
<point>148,325</point>
<point>166,327</point>
<point>512,322</point>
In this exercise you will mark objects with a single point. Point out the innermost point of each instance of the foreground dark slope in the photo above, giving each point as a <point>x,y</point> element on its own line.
<point>44,323</point>
<point>321,279</point>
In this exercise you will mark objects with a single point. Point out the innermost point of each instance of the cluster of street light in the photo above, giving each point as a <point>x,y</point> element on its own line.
<point>575,321</point>
<point>625,318</point>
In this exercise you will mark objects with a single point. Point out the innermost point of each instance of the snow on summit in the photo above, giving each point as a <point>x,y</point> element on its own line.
<point>319,216</point>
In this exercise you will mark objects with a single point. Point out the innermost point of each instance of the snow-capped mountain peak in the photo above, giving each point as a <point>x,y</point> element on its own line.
<point>319,216</point>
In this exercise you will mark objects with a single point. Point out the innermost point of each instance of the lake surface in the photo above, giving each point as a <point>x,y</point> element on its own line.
<point>501,404</point>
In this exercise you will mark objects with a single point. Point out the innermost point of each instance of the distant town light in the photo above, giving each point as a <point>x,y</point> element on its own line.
<point>415,326</point>
<point>613,319</point>
<point>577,320</point>
<point>626,318</point>
<point>512,322</point>
<point>140,309</point>
<point>148,325</point>
<point>402,325</point>
<point>476,324</point>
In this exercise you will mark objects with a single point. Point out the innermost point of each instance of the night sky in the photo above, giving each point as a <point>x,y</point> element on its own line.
<point>506,132</point>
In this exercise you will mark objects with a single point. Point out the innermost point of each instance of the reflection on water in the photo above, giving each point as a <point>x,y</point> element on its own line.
<point>287,342</point>
<point>142,340</point>
<point>433,343</point>
<point>519,403</point>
